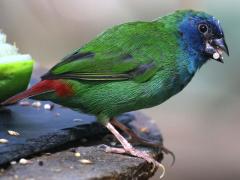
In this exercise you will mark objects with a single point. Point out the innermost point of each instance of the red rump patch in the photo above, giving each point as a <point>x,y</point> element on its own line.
<point>62,88</point>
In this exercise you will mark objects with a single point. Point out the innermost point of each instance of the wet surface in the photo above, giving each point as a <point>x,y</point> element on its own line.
<point>43,131</point>
<point>93,163</point>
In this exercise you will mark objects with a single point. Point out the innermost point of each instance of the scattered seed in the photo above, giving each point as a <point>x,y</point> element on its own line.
<point>24,103</point>
<point>113,143</point>
<point>77,154</point>
<point>216,55</point>
<point>48,106</point>
<point>85,161</point>
<point>77,120</point>
<point>57,114</point>
<point>16,176</point>
<point>36,104</point>
<point>13,162</point>
<point>13,133</point>
<point>3,141</point>
<point>40,163</point>
<point>144,130</point>
<point>24,161</point>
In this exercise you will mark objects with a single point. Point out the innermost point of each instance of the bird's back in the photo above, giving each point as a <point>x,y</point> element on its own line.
<point>128,67</point>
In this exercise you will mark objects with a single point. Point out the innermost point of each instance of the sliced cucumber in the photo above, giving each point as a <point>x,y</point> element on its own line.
<point>15,69</point>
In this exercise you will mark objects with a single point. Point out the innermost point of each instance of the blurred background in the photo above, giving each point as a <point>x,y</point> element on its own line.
<point>201,124</point>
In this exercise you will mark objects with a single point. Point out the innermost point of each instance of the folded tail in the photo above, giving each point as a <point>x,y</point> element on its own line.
<point>60,87</point>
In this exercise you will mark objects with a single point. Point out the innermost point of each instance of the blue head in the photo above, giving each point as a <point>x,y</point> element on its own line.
<point>202,36</point>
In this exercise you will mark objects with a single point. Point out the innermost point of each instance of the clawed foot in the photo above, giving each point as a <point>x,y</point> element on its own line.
<point>135,138</point>
<point>136,153</point>
<point>129,149</point>
<point>166,151</point>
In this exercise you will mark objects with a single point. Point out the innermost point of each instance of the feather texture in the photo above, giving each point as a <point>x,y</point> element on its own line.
<point>129,66</point>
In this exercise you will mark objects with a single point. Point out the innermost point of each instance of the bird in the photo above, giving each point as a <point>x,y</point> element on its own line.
<point>132,66</point>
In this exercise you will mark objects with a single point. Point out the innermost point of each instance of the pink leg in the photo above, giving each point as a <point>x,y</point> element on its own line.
<point>136,138</point>
<point>129,149</point>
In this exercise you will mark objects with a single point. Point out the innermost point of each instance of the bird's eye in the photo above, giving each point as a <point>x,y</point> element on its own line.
<point>203,28</point>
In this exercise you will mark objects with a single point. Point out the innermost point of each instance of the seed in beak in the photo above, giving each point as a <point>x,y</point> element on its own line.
<point>216,55</point>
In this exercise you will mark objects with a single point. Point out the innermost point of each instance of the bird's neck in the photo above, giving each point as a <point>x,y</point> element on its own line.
<point>189,62</point>
<point>190,57</point>
<point>194,61</point>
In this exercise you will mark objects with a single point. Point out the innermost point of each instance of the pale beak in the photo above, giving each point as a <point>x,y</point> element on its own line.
<point>215,49</point>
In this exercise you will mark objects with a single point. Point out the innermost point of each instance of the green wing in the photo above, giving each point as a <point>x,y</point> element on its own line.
<point>124,52</point>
